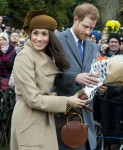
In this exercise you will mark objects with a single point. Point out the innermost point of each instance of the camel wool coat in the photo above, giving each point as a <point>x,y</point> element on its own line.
<point>33,126</point>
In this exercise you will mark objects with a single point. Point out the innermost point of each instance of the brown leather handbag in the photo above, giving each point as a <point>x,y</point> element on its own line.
<point>74,133</point>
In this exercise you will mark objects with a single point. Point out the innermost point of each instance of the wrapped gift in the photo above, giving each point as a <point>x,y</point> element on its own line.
<point>110,71</point>
<point>115,73</point>
<point>101,66</point>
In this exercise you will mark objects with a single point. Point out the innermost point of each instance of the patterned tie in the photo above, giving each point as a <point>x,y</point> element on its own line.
<point>80,48</point>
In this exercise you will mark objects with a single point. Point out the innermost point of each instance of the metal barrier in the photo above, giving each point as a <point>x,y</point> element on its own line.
<point>121,147</point>
<point>7,102</point>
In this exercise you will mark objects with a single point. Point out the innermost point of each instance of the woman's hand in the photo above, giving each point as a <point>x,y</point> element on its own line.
<point>76,102</point>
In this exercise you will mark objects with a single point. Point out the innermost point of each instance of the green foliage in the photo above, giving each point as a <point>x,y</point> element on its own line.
<point>20,9</point>
<point>4,7</point>
<point>16,10</point>
<point>61,10</point>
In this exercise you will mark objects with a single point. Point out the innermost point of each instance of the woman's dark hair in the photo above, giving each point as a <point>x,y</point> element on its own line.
<point>55,51</point>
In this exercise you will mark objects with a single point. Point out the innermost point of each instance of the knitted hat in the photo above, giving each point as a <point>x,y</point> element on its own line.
<point>37,19</point>
<point>5,36</point>
<point>97,35</point>
<point>114,35</point>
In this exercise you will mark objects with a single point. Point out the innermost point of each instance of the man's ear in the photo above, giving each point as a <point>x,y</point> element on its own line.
<point>75,19</point>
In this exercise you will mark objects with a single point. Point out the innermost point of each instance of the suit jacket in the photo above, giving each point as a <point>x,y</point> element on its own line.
<point>33,126</point>
<point>65,82</point>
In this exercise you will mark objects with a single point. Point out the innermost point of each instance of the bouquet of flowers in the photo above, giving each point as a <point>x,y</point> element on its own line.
<point>113,26</point>
<point>110,71</point>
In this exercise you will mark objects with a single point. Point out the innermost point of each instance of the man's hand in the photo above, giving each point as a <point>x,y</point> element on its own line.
<point>102,89</point>
<point>88,79</point>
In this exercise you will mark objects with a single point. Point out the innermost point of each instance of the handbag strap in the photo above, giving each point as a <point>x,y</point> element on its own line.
<point>73,114</point>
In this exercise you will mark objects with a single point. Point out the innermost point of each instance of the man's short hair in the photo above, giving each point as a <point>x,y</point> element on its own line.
<point>86,9</point>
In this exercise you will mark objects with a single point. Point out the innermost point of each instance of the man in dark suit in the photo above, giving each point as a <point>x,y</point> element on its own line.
<point>77,76</point>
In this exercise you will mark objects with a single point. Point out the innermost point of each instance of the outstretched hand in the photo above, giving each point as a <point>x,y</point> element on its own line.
<point>80,101</point>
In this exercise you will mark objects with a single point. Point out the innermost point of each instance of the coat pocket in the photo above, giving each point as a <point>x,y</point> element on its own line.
<point>33,135</point>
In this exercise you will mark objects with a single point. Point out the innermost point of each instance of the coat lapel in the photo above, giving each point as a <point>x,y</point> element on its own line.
<point>87,53</point>
<point>71,42</point>
<point>46,63</point>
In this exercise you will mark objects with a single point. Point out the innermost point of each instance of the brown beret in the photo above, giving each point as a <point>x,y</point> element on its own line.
<point>37,20</point>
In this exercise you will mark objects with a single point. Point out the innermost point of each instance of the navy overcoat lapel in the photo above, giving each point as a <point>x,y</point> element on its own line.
<point>72,44</point>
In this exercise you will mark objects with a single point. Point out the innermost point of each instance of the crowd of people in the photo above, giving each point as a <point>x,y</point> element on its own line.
<point>46,68</point>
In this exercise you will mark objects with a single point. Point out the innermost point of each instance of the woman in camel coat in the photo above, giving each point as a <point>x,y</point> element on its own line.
<point>34,71</point>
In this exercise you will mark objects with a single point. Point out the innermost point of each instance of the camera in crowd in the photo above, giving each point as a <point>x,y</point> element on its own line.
<point>21,42</point>
<point>121,39</point>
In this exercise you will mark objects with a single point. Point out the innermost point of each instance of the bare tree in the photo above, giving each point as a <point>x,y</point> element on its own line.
<point>108,9</point>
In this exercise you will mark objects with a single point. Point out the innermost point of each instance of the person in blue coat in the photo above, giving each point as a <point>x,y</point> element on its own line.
<point>77,76</point>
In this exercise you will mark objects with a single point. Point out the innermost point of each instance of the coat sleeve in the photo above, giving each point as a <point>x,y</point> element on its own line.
<point>25,83</point>
<point>65,83</point>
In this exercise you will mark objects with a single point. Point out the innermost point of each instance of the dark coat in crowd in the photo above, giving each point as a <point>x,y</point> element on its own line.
<point>114,93</point>
<point>6,61</point>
